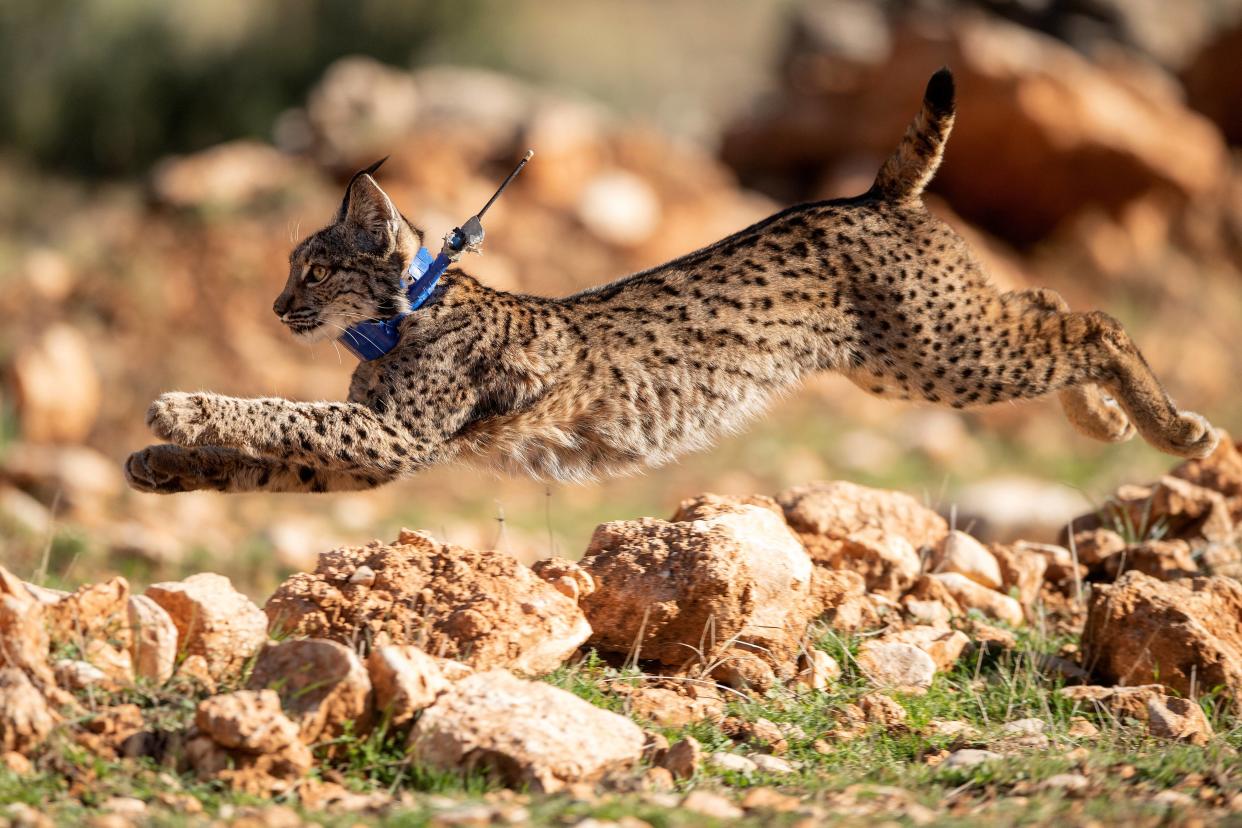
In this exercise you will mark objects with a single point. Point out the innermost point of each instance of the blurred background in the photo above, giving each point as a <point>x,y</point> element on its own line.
<point>158,159</point>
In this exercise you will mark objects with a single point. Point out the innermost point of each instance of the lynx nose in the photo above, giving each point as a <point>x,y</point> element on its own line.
<point>282,304</point>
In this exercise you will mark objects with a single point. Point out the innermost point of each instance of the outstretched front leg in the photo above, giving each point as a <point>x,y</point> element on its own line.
<point>167,469</point>
<point>330,435</point>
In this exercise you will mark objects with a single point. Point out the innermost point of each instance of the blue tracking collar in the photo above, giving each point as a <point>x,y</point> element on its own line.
<point>371,340</point>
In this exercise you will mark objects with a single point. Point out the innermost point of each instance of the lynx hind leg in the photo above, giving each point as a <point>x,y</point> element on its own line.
<point>1091,411</point>
<point>1132,383</point>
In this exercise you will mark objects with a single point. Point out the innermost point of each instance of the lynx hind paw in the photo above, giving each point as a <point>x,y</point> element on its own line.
<point>160,469</point>
<point>1193,436</point>
<point>178,417</point>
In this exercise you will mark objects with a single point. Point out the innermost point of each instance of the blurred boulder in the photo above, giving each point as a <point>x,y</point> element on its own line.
<point>359,108</point>
<point>213,621</point>
<point>79,478</point>
<point>1185,634</point>
<point>1059,131</point>
<point>230,176</point>
<point>57,386</point>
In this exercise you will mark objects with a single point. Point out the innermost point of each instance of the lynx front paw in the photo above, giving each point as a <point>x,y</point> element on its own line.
<point>1192,436</point>
<point>179,418</point>
<point>160,469</point>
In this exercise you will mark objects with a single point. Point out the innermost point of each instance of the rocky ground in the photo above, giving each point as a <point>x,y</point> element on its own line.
<point>833,653</point>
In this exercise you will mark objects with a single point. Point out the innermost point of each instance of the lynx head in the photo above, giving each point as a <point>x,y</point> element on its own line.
<point>350,271</point>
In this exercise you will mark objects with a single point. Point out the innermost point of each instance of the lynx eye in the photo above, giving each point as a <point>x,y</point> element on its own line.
<point>315,274</point>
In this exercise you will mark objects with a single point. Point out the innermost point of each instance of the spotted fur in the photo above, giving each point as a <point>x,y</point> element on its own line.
<point>634,373</point>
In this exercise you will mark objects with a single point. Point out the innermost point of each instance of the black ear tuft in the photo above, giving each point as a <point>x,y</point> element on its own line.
<point>349,188</point>
<point>940,91</point>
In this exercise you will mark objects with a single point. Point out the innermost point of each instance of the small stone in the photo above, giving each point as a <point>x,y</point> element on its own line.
<point>817,671</point>
<point>683,758</point>
<point>1081,728</point>
<point>79,675</point>
<point>951,729</point>
<point>154,647</point>
<point>1024,727</point>
<point>126,806</point>
<point>944,646</point>
<point>1068,782</point>
<point>405,680</point>
<point>883,710</point>
<point>711,805</point>
<point>971,595</point>
<point>961,553</point>
<point>931,613</point>
<point>967,758</point>
<point>657,779</point>
<point>772,764</point>
<point>1179,719</point>
<point>731,762</point>
<point>16,763</point>
<point>896,665</point>
<point>769,799</point>
<point>669,708</point>
<point>363,576</point>
<point>569,579</point>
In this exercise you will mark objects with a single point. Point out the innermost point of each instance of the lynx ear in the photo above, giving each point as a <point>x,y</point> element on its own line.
<point>369,212</point>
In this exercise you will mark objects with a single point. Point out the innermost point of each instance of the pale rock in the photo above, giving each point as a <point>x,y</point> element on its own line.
<point>213,620</point>
<point>944,646</point>
<point>970,595</point>
<point>619,208</point>
<point>1022,569</point>
<point>154,639</point>
<point>951,729</point>
<point>881,709</point>
<point>405,680</point>
<point>483,608</point>
<point>772,764</point>
<point>527,733</point>
<point>967,758</point>
<point>322,685</point>
<point>363,576</point>
<point>669,708</point>
<point>930,613</point>
<point>25,513</point>
<point>26,718</point>
<point>731,762</point>
<point>246,720</point>
<point>1068,782</point>
<point>817,670</point>
<point>1024,727</point>
<point>228,176</point>
<point>79,478</point>
<point>711,805</point>
<point>75,675</point>
<point>897,665</point>
<point>961,553</point>
<point>721,571</point>
<point>25,637</point>
<point>57,386</point>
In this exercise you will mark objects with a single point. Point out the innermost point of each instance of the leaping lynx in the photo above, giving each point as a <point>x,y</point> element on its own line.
<point>661,362</point>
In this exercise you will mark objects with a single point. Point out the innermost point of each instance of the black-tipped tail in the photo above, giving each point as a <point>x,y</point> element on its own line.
<point>909,169</point>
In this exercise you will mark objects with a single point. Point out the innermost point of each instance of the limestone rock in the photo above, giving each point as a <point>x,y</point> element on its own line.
<point>929,613</point>
<point>961,553</point>
<point>967,758</point>
<point>683,758</point>
<point>154,637</point>
<point>405,680</point>
<point>818,670</point>
<point>669,708</point>
<point>944,646</point>
<point>1166,560</point>
<point>74,675</point>
<point>484,609</point>
<point>717,573</point>
<point>870,531</point>
<point>322,685</point>
<point>570,579</point>
<point>1186,634</point>
<point>213,620</point>
<point>878,708</point>
<point>897,665</point>
<point>527,733</point>
<point>1179,719</point>
<point>57,385</point>
<point>246,720</point>
<point>95,619</point>
<point>25,717</point>
<point>24,635</point>
<point>970,595</point>
<point>1022,570</point>
<point>842,600</point>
